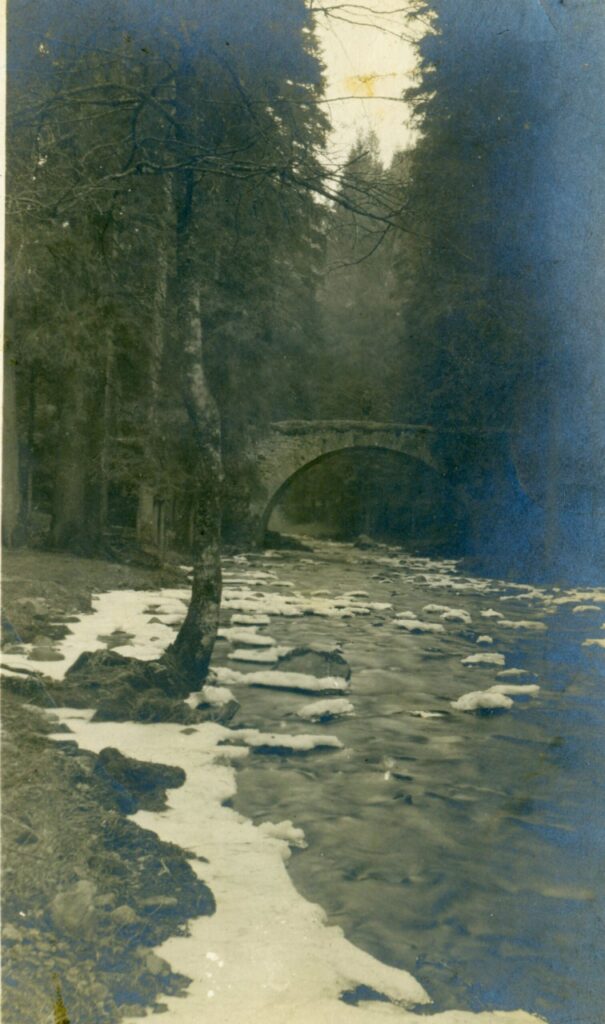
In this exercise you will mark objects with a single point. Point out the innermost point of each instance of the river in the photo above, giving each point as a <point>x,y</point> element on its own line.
<point>463,849</point>
<point>467,848</point>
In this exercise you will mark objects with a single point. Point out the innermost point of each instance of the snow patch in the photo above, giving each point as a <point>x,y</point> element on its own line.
<point>286,831</point>
<point>270,656</point>
<point>512,689</point>
<point>538,627</point>
<point>326,709</point>
<point>276,680</point>
<point>250,620</point>
<point>246,636</point>
<point>416,626</point>
<point>279,959</point>
<point>301,743</point>
<point>457,615</point>
<point>482,700</point>
<point>427,714</point>
<point>216,696</point>
<point>484,659</point>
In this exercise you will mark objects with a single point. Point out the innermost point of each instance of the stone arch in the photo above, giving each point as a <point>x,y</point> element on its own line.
<point>475,463</point>
<point>288,472</point>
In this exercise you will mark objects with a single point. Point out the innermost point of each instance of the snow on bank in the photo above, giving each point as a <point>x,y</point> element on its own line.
<point>117,610</point>
<point>266,956</point>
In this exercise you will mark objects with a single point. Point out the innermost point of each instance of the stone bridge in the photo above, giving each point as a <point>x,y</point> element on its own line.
<point>477,464</point>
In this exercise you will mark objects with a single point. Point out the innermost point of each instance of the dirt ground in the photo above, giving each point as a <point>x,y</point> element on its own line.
<point>86,892</point>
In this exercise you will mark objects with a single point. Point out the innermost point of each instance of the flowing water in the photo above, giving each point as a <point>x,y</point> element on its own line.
<point>466,848</point>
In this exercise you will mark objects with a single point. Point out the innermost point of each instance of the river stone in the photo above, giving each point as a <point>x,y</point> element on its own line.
<point>10,933</point>
<point>124,915</point>
<point>45,654</point>
<point>315,661</point>
<point>73,910</point>
<point>364,543</point>
<point>125,704</point>
<point>154,964</point>
<point>143,784</point>
<point>109,668</point>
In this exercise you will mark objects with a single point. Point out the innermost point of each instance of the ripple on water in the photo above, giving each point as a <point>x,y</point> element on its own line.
<point>467,850</point>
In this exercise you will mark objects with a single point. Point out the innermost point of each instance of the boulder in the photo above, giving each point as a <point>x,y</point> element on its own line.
<point>73,910</point>
<point>152,706</point>
<point>143,783</point>
<point>316,661</point>
<point>364,543</point>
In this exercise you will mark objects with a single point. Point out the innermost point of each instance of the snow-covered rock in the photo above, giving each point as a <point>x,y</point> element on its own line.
<point>286,831</point>
<point>457,615</point>
<point>491,613</point>
<point>324,710</point>
<point>530,624</point>
<point>484,659</point>
<point>250,620</point>
<point>248,637</point>
<point>216,696</point>
<point>514,689</point>
<point>301,743</point>
<point>416,626</point>
<point>482,700</point>
<point>427,714</point>
<point>485,639</point>
<point>269,656</point>
<point>275,680</point>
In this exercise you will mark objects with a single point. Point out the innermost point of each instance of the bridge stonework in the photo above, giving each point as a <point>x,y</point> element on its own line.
<point>477,464</point>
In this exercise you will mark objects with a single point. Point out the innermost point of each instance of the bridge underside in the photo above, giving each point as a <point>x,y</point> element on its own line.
<point>477,465</point>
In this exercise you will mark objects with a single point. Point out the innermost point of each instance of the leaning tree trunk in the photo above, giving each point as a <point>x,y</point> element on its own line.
<point>195,640</point>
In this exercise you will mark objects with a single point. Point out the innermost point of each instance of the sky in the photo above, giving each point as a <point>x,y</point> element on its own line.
<point>364,62</point>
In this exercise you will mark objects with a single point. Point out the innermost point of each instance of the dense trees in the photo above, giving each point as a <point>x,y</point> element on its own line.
<point>359,297</point>
<point>157,228</point>
<point>184,264</point>
<point>502,211</point>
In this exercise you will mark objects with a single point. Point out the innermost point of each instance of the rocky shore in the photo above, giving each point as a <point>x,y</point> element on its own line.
<point>87,893</point>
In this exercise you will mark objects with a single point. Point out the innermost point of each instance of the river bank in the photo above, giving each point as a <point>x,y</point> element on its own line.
<point>359,785</point>
<point>87,894</point>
